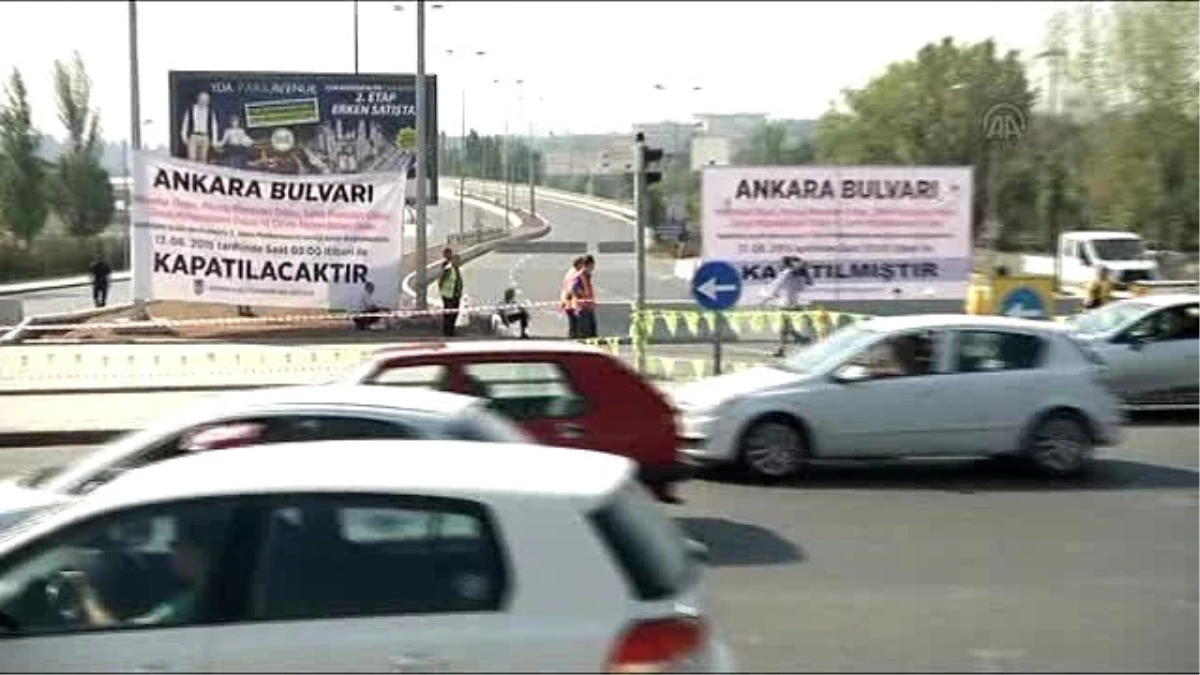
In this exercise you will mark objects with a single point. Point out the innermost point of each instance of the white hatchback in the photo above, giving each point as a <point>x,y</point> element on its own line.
<point>912,386</point>
<point>351,556</point>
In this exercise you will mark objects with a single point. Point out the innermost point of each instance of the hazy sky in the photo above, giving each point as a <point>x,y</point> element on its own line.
<point>587,66</point>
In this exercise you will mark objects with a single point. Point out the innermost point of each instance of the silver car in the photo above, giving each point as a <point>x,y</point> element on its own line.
<point>909,386</point>
<point>1151,346</point>
<point>262,417</point>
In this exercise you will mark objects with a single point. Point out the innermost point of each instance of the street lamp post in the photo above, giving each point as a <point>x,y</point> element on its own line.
<point>462,209</point>
<point>422,155</point>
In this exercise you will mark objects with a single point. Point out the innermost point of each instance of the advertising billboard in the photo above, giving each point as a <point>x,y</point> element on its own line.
<point>207,233</point>
<point>865,232</point>
<point>303,123</point>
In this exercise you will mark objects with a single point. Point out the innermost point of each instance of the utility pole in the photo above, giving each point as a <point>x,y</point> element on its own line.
<point>532,166</point>
<point>422,169</point>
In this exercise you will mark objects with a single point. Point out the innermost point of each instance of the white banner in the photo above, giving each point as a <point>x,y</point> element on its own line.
<point>206,233</point>
<point>867,233</point>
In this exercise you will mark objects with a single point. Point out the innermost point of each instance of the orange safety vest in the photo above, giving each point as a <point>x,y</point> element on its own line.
<point>586,298</point>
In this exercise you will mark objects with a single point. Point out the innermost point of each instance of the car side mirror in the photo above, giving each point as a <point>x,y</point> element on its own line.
<point>851,373</point>
<point>698,551</point>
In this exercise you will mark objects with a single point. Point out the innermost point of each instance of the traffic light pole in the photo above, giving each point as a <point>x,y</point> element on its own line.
<point>639,251</point>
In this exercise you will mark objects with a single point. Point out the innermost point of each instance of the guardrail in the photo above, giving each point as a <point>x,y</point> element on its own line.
<point>520,195</point>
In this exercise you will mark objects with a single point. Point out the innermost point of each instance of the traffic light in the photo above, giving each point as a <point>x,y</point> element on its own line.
<point>649,160</point>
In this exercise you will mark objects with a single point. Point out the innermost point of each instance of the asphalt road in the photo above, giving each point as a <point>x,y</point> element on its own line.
<point>538,276</point>
<point>948,567</point>
<point>443,220</point>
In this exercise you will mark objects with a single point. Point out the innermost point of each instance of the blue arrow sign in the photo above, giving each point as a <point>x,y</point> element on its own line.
<point>717,285</point>
<point>1023,302</point>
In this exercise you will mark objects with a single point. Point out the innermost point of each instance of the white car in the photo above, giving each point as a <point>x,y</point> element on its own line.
<point>264,416</point>
<point>357,556</point>
<point>1151,346</point>
<point>908,386</point>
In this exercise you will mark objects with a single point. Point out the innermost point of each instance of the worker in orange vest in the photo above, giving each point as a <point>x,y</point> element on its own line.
<point>584,295</point>
<point>566,299</point>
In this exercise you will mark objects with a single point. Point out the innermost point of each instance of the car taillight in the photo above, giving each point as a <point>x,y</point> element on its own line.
<point>658,646</point>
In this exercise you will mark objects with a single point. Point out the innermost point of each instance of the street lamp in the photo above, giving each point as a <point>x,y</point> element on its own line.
<point>463,140</point>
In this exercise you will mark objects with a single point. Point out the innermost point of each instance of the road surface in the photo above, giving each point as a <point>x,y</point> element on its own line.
<point>443,220</point>
<point>538,275</point>
<point>947,567</point>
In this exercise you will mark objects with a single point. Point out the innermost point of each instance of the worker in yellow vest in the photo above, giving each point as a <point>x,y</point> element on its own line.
<point>450,287</point>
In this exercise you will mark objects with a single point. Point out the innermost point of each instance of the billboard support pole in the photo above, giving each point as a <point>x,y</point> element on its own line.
<point>135,144</point>
<point>422,155</point>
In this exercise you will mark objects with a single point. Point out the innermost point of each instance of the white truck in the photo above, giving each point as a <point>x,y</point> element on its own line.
<point>1081,252</point>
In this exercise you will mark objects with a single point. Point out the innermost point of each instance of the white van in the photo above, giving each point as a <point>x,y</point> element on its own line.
<point>1122,253</point>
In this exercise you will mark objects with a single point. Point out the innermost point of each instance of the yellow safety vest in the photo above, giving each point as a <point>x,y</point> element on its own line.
<point>449,282</point>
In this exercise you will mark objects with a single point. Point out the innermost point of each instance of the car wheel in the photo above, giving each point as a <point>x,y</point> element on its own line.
<point>1059,446</point>
<point>773,448</point>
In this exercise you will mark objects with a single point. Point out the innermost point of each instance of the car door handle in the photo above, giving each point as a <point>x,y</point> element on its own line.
<point>415,663</point>
<point>569,429</point>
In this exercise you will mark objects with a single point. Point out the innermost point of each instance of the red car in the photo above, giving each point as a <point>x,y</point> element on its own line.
<point>561,393</point>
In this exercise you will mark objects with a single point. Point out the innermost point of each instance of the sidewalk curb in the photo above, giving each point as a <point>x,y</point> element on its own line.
<point>39,439</point>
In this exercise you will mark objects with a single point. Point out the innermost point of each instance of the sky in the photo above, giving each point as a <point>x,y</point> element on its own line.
<point>586,67</point>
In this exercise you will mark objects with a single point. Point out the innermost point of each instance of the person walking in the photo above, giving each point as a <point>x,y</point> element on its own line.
<point>566,297</point>
<point>101,276</point>
<point>450,287</point>
<point>794,277</point>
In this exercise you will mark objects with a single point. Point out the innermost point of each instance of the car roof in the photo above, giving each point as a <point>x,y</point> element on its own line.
<point>477,347</point>
<point>981,321</point>
<point>424,467</point>
<point>413,399</point>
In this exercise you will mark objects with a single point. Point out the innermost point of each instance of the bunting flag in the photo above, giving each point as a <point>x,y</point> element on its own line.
<point>698,368</point>
<point>758,322</point>
<point>670,320</point>
<point>776,319</point>
<point>668,366</point>
<point>692,319</point>
<point>710,319</point>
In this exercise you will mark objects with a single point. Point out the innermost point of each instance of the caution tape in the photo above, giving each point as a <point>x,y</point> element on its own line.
<point>285,319</point>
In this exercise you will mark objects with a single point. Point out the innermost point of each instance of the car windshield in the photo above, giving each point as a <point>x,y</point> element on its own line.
<point>1118,249</point>
<point>1108,317</point>
<point>843,342</point>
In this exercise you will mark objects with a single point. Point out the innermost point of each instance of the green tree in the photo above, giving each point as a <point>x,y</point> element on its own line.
<point>772,145</point>
<point>81,193</point>
<point>22,174</point>
<point>930,111</point>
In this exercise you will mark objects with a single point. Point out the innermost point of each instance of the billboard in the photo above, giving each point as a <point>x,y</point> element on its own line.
<point>205,233</point>
<point>866,232</point>
<point>303,123</point>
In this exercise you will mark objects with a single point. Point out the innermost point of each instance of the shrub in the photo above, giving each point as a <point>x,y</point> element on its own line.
<point>51,257</point>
